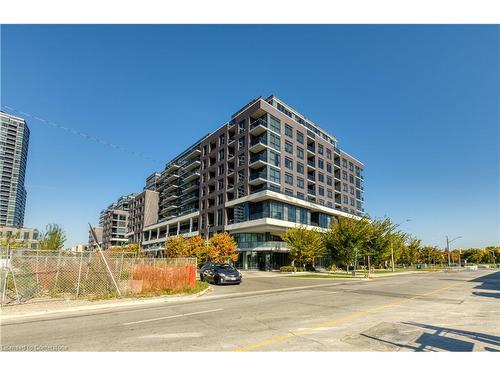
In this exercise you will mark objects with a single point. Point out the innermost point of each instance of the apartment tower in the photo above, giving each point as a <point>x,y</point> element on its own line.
<point>14,139</point>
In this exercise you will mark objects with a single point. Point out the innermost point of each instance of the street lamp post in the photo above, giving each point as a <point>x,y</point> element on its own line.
<point>392,247</point>
<point>448,248</point>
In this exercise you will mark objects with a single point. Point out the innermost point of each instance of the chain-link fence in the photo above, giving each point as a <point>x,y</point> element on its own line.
<point>27,275</point>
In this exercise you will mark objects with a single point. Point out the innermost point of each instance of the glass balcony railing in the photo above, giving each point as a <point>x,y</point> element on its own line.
<point>262,140</point>
<point>261,157</point>
<point>259,122</point>
<point>256,175</point>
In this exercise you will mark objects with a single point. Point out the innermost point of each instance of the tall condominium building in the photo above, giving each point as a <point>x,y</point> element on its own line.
<point>268,169</point>
<point>14,138</point>
<point>114,222</point>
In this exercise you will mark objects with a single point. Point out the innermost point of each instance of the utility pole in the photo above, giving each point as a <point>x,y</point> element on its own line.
<point>448,241</point>
<point>392,246</point>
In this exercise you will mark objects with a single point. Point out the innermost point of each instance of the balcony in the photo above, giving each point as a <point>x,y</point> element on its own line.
<point>311,164</point>
<point>257,178</point>
<point>193,154</point>
<point>172,167</point>
<point>192,176</point>
<point>258,127</point>
<point>187,188</point>
<point>171,197</point>
<point>311,192</point>
<point>311,177</point>
<point>258,161</point>
<point>171,188</point>
<point>171,178</point>
<point>193,164</point>
<point>191,198</point>
<point>310,149</point>
<point>258,144</point>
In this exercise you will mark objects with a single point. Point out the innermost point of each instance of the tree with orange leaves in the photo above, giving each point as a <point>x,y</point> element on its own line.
<point>222,248</point>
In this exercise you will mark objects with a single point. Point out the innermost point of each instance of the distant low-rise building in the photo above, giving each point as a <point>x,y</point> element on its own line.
<point>92,243</point>
<point>28,238</point>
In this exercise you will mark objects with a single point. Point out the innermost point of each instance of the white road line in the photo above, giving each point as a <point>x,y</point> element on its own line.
<point>171,317</point>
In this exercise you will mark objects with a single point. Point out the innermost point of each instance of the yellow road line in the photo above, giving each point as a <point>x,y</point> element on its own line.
<point>329,323</point>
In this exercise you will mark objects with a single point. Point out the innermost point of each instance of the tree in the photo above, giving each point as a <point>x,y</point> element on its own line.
<point>410,253</point>
<point>346,238</point>
<point>53,238</point>
<point>199,249</point>
<point>176,247</point>
<point>221,248</point>
<point>305,245</point>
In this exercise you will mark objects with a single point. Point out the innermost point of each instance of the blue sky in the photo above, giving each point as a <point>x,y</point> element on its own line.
<point>419,105</point>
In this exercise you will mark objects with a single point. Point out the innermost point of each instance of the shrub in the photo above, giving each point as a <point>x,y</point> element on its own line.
<point>291,269</point>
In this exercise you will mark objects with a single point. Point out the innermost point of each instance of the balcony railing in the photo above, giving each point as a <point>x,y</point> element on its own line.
<point>262,140</point>
<point>256,175</point>
<point>311,191</point>
<point>261,157</point>
<point>258,122</point>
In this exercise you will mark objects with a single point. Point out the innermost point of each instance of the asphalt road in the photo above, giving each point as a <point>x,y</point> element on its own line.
<point>455,311</point>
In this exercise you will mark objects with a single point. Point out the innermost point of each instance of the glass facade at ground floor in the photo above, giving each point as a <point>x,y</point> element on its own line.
<point>262,260</point>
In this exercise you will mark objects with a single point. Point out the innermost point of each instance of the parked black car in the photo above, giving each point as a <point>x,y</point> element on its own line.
<point>220,274</point>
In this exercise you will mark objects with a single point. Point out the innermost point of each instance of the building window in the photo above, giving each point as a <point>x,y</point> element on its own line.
<point>329,180</point>
<point>222,139</point>
<point>241,176</point>
<point>321,164</point>
<point>220,199</point>
<point>344,163</point>
<point>288,163</point>
<point>346,199</point>
<point>220,185</point>
<point>329,167</point>
<point>300,195</point>
<point>288,178</point>
<point>274,141</point>
<point>221,169</point>
<point>289,193</point>
<point>241,143</point>
<point>351,190</point>
<point>274,158</point>
<point>344,187</point>
<point>274,124</point>
<point>329,154</point>
<point>221,155</point>
<point>351,179</point>
<point>344,175</point>
<point>300,167</point>
<point>289,147</point>
<point>352,202</point>
<point>300,137</point>
<point>300,183</point>
<point>288,131</point>
<point>351,167</point>
<point>241,126</point>
<point>274,175</point>
<point>241,160</point>
<point>321,177</point>
<point>300,152</point>
<point>320,149</point>
<point>321,191</point>
<point>329,193</point>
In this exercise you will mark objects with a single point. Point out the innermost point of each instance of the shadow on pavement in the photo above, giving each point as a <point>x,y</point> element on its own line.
<point>434,338</point>
<point>489,283</point>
